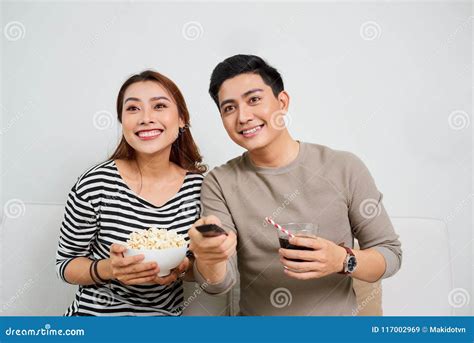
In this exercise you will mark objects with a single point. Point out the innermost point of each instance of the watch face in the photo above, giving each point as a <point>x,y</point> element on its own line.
<point>351,264</point>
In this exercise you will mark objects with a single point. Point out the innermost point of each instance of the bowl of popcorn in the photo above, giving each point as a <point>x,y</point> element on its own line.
<point>167,248</point>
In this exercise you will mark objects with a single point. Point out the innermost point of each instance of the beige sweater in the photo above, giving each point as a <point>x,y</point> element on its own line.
<point>330,188</point>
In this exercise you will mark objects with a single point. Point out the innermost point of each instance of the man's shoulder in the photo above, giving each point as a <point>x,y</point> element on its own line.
<point>322,156</point>
<point>228,169</point>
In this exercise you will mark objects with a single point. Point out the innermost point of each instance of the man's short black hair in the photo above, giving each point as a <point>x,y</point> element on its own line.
<point>241,64</point>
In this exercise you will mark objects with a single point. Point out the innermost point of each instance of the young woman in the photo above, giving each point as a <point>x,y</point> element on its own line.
<point>152,179</point>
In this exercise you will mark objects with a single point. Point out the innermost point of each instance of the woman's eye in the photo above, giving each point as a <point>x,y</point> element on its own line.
<point>132,108</point>
<point>254,99</point>
<point>159,106</point>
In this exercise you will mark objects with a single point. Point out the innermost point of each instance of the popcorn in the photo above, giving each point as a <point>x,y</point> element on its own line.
<point>155,238</point>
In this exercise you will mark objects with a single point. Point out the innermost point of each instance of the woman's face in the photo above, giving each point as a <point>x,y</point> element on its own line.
<point>150,118</point>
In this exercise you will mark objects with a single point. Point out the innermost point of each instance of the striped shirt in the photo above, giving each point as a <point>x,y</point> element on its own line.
<point>101,210</point>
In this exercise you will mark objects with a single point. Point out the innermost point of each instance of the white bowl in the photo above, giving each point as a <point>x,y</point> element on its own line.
<point>167,259</point>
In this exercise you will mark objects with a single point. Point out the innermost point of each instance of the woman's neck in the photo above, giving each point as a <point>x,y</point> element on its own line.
<point>156,167</point>
<point>279,153</point>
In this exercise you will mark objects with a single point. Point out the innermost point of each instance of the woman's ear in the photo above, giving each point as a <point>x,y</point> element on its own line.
<point>182,125</point>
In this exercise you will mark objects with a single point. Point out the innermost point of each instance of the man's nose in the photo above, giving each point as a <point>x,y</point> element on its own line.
<point>245,114</point>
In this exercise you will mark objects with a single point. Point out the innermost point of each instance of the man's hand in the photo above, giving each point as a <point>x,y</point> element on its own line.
<point>211,253</point>
<point>326,258</point>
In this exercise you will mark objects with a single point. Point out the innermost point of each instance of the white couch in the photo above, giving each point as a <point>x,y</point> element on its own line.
<point>29,285</point>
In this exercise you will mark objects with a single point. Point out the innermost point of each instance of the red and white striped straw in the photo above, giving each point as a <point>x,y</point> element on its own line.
<point>279,227</point>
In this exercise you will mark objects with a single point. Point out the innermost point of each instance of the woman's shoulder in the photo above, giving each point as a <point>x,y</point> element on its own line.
<point>194,178</point>
<point>96,173</point>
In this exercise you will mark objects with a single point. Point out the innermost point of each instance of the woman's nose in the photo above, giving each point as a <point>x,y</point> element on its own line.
<point>147,116</point>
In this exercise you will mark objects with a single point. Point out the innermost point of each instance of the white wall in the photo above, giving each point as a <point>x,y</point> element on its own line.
<point>387,99</point>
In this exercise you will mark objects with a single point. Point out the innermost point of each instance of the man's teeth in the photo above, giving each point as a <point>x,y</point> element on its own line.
<point>149,133</point>
<point>255,129</point>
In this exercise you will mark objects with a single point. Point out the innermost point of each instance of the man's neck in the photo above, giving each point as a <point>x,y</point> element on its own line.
<point>279,153</point>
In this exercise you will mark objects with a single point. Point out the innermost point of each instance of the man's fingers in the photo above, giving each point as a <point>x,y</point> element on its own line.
<point>303,276</point>
<point>309,242</point>
<point>301,267</point>
<point>229,242</point>
<point>208,243</point>
<point>212,220</point>
<point>298,254</point>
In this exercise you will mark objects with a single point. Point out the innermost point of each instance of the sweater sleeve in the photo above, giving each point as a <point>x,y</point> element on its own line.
<point>213,203</point>
<point>77,232</point>
<point>369,220</point>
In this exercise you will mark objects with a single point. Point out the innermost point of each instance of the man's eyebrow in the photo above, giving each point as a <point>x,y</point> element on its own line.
<point>247,93</point>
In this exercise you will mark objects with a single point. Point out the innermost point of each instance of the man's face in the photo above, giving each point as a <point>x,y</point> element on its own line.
<point>251,114</point>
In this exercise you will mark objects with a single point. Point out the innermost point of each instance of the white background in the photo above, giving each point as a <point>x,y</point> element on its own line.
<point>380,79</point>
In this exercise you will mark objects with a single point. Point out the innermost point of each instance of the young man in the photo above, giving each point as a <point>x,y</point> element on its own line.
<point>290,181</point>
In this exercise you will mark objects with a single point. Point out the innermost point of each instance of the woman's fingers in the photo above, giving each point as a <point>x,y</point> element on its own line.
<point>147,273</point>
<point>183,266</point>
<point>165,280</point>
<point>138,268</point>
<point>121,262</point>
<point>117,248</point>
<point>142,280</point>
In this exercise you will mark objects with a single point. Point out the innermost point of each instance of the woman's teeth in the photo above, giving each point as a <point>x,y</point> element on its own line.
<point>145,134</point>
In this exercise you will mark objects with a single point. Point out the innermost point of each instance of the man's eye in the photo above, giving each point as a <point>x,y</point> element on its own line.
<point>254,99</point>
<point>228,109</point>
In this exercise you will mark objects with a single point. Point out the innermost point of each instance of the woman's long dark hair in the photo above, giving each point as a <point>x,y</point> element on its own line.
<point>184,151</point>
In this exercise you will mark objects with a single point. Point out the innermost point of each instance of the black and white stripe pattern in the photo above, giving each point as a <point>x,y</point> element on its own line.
<point>101,210</point>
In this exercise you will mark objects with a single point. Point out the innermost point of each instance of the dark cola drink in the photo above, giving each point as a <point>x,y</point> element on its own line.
<point>285,244</point>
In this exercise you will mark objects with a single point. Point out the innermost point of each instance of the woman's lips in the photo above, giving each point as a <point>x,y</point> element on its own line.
<point>149,134</point>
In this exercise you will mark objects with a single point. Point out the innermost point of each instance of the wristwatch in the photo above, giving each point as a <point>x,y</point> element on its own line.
<point>350,262</point>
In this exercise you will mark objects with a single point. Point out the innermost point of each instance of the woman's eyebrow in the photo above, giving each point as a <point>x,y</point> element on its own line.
<point>131,99</point>
<point>151,99</point>
<point>160,98</point>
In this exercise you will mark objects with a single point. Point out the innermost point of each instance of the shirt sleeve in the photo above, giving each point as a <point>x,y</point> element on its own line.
<point>78,230</point>
<point>213,203</point>
<point>369,220</point>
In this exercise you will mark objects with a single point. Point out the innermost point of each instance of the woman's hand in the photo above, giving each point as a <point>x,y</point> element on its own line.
<point>129,270</point>
<point>175,274</point>
<point>325,258</point>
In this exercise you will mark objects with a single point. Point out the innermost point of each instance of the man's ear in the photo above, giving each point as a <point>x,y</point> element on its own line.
<point>284,100</point>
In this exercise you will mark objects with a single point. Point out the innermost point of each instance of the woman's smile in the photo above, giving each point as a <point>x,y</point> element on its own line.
<point>146,135</point>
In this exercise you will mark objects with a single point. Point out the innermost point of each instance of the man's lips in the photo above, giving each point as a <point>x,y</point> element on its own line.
<point>251,131</point>
<point>149,134</point>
